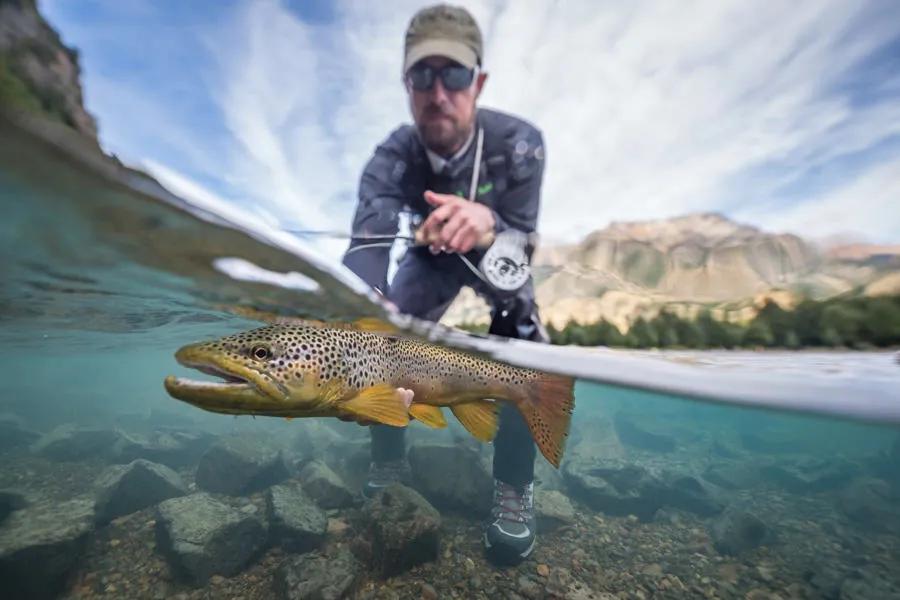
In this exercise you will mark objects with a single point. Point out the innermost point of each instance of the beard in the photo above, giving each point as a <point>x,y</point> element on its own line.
<point>440,132</point>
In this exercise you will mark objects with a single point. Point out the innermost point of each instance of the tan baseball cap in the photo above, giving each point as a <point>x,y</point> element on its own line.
<point>443,30</point>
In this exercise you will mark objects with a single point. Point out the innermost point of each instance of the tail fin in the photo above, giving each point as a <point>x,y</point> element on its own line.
<point>547,408</point>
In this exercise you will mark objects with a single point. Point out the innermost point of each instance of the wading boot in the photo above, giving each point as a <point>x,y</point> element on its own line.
<point>510,532</point>
<point>384,474</point>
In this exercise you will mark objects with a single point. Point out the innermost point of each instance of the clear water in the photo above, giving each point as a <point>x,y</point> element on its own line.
<point>101,284</point>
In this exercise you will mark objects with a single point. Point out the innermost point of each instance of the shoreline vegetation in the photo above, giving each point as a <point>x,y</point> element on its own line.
<point>860,323</point>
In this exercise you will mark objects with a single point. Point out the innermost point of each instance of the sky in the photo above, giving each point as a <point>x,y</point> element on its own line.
<point>782,114</point>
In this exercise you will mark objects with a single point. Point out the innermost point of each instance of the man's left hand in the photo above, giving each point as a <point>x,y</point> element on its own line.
<point>456,224</point>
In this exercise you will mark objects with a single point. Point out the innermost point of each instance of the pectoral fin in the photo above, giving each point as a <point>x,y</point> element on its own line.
<point>429,415</point>
<point>479,418</point>
<point>379,403</point>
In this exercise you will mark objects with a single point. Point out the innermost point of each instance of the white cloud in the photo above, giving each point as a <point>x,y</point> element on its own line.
<point>649,109</point>
<point>864,208</point>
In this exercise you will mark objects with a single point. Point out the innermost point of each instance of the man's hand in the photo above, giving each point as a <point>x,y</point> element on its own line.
<point>456,224</point>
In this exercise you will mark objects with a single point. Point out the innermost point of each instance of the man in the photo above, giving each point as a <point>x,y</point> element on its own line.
<point>455,153</point>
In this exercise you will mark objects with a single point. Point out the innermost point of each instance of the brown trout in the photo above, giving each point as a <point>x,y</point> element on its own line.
<point>320,370</point>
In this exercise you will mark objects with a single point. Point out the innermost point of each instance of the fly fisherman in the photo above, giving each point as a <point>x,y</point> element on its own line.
<point>469,176</point>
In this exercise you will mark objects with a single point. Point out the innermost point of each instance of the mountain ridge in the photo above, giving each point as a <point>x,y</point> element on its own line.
<point>686,264</point>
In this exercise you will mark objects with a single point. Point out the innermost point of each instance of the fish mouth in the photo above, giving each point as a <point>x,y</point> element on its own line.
<point>242,390</point>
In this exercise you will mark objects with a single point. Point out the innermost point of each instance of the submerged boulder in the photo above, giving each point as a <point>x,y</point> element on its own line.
<point>40,546</point>
<point>614,486</point>
<point>11,500</point>
<point>811,475</point>
<point>240,464</point>
<point>871,504</point>
<point>15,435</point>
<point>734,475</point>
<point>404,528</point>
<point>171,448</point>
<point>553,509</point>
<point>124,489</point>
<point>689,493</point>
<point>295,522</point>
<point>628,486</point>
<point>737,530</point>
<point>71,442</point>
<point>325,486</point>
<point>201,536</point>
<point>318,576</point>
<point>452,477</point>
<point>633,435</point>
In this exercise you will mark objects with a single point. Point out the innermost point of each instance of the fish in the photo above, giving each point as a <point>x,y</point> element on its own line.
<point>320,369</point>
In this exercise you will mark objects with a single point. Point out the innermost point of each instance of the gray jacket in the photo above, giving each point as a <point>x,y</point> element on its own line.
<point>396,177</point>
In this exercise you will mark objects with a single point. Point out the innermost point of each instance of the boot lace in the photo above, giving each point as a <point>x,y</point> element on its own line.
<point>511,503</point>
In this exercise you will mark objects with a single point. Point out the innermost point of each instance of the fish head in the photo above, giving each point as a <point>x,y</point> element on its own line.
<point>267,371</point>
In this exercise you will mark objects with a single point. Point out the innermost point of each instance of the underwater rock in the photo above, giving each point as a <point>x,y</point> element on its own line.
<point>553,510</point>
<point>811,475</point>
<point>11,500</point>
<point>737,530</point>
<point>452,477</point>
<point>351,462</point>
<point>733,475</point>
<point>871,504</point>
<point>295,522</point>
<point>688,493</point>
<point>404,528</point>
<point>614,486</point>
<point>325,486</point>
<point>14,435</point>
<point>70,442</point>
<point>171,448</point>
<point>318,576</point>
<point>633,487</point>
<point>631,434</point>
<point>313,438</point>
<point>41,544</point>
<point>200,536</point>
<point>886,464</point>
<point>866,586</point>
<point>594,440</point>
<point>240,464</point>
<point>546,477</point>
<point>124,489</point>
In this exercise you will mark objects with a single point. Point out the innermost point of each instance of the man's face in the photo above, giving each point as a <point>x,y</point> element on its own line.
<point>444,117</point>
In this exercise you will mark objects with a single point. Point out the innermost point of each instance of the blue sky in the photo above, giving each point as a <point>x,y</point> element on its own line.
<point>785,115</point>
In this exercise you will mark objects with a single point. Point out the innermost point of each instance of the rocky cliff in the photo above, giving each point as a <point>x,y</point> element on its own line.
<point>685,264</point>
<point>38,73</point>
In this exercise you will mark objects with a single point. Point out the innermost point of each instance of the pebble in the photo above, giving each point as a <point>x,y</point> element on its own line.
<point>428,592</point>
<point>529,588</point>
<point>217,580</point>
<point>543,570</point>
<point>337,526</point>
<point>470,564</point>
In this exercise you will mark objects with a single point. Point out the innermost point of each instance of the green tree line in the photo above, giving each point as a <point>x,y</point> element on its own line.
<point>860,322</point>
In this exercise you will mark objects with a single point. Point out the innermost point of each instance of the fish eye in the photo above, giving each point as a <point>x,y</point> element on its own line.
<point>261,353</point>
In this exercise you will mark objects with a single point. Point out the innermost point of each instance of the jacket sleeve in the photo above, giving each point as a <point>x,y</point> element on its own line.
<point>380,201</point>
<point>518,206</point>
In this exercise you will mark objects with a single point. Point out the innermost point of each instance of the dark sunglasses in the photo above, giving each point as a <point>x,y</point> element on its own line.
<point>454,77</point>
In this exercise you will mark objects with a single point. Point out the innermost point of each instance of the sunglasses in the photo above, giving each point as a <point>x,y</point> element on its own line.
<point>454,77</point>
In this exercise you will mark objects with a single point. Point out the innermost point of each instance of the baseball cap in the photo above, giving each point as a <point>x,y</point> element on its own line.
<point>443,30</point>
